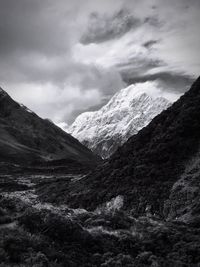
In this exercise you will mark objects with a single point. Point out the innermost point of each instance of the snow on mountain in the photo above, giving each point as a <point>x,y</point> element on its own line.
<point>127,112</point>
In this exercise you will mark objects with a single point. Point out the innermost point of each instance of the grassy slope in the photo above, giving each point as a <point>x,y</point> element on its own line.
<point>25,136</point>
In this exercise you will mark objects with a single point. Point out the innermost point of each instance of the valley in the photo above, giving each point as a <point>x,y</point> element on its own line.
<point>99,133</point>
<point>140,207</point>
<point>38,233</point>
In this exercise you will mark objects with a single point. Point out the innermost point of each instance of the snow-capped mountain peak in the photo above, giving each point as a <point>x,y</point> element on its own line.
<point>127,112</point>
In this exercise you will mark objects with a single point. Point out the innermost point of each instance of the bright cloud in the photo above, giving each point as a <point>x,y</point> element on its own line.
<point>54,61</point>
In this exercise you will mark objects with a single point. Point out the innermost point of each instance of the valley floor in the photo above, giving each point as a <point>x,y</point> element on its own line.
<point>35,232</point>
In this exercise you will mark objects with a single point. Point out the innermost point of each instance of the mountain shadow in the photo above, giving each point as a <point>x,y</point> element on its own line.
<point>25,138</point>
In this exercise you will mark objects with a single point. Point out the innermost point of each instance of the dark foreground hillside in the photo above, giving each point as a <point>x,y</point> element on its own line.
<point>146,167</point>
<point>144,170</point>
<point>25,138</point>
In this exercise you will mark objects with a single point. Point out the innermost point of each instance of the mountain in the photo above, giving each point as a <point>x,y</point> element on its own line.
<point>26,138</point>
<point>127,112</point>
<point>156,170</point>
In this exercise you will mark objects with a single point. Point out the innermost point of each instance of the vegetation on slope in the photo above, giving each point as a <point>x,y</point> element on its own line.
<point>25,137</point>
<point>145,168</point>
<point>40,238</point>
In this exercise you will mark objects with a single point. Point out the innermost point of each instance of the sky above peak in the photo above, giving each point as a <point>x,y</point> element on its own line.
<point>61,58</point>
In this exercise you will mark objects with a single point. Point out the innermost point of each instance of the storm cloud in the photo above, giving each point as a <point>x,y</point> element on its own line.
<point>61,58</point>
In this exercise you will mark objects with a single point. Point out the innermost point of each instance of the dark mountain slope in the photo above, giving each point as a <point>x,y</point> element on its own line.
<point>26,138</point>
<point>145,168</point>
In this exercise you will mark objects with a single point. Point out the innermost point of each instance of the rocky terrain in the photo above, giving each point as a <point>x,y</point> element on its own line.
<point>35,233</point>
<point>127,112</point>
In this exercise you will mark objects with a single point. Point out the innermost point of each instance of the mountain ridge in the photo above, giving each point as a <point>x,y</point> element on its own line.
<point>127,112</point>
<point>146,168</point>
<point>27,138</point>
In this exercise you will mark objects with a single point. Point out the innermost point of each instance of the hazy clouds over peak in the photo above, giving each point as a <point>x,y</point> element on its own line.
<point>64,57</point>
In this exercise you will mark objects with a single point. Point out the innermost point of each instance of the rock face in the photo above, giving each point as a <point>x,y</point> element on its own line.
<point>25,137</point>
<point>127,112</point>
<point>157,169</point>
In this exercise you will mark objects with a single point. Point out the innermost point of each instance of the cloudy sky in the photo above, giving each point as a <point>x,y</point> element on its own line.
<point>63,57</point>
